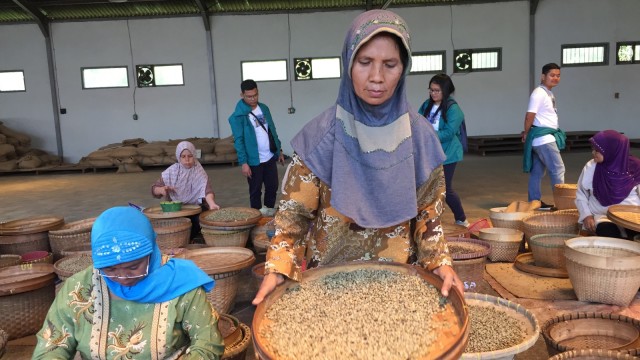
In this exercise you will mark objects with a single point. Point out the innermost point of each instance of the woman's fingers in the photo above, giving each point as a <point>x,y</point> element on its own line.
<point>269,284</point>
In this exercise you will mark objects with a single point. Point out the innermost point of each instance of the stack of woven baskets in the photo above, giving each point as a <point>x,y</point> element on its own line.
<point>469,257</point>
<point>236,335</point>
<point>504,243</point>
<point>228,226</point>
<point>29,234</point>
<point>172,232</point>
<point>223,264</point>
<point>73,234</point>
<point>262,232</point>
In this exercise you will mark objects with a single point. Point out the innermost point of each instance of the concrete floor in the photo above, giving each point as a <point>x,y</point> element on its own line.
<point>481,182</point>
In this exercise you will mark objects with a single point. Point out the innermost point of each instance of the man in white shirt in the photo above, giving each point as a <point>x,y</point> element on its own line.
<point>542,135</point>
<point>258,147</point>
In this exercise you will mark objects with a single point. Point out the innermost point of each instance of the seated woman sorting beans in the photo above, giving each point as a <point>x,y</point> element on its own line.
<point>186,181</point>
<point>366,173</point>
<point>133,303</point>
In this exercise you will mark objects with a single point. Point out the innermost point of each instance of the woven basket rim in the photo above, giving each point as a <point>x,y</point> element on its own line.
<point>500,302</point>
<point>573,251</point>
<point>236,335</point>
<point>10,259</point>
<point>534,239</point>
<point>501,235</point>
<point>74,227</point>
<point>25,277</point>
<point>525,262</point>
<point>243,345</point>
<point>253,215</point>
<point>218,262</point>
<point>155,212</point>
<point>483,248</point>
<point>169,226</point>
<point>560,218</point>
<point>47,258</point>
<point>31,225</point>
<point>63,272</point>
<point>499,212</point>
<point>598,353</point>
<point>614,318</point>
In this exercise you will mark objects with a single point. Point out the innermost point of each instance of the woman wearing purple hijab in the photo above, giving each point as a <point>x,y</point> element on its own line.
<point>612,177</point>
<point>366,175</point>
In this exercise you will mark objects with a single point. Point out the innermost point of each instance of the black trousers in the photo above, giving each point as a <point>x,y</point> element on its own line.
<point>266,173</point>
<point>608,229</point>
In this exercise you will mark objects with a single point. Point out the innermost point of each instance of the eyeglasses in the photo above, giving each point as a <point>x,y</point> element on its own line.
<point>432,91</point>
<point>128,276</point>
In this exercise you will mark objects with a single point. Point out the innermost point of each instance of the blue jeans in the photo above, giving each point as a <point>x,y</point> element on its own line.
<point>547,157</point>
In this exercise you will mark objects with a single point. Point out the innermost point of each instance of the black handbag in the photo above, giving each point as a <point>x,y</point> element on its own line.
<point>272,142</point>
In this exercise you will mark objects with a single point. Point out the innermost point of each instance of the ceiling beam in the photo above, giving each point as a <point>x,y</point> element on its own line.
<point>204,13</point>
<point>35,13</point>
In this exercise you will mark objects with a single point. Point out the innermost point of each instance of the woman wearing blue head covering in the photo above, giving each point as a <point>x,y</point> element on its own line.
<point>367,172</point>
<point>133,303</point>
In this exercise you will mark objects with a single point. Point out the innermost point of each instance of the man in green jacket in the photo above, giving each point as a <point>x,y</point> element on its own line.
<point>258,147</point>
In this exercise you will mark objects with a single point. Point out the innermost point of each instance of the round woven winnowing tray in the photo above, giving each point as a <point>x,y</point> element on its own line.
<point>627,216</point>
<point>526,263</point>
<point>31,225</point>
<point>155,212</point>
<point>237,216</point>
<point>475,248</point>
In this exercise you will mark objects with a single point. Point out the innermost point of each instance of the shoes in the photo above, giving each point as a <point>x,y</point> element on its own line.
<point>267,211</point>
<point>463,223</point>
<point>546,207</point>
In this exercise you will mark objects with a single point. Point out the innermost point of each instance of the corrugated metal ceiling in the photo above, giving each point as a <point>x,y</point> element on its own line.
<point>15,11</point>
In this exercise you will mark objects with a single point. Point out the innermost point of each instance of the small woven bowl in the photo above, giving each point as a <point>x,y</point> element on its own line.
<point>67,266</point>
<point>9,260</point>
<point>36,257</point>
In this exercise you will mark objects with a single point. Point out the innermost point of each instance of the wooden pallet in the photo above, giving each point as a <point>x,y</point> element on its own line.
<point>512,143</point>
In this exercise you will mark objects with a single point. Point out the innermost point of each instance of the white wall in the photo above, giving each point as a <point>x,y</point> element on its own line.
<point>586,94</point>
<point>22,47</point>
<point>494,102</point>
<point>98,117</point>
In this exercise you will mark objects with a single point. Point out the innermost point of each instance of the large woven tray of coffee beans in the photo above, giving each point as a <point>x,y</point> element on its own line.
<point>361,310</point>
<point>230,217</point>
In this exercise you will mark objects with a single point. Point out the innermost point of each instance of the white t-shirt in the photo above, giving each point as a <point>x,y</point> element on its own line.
<point>434,118</point>
<point>542,104</point>
<point>261,135</point>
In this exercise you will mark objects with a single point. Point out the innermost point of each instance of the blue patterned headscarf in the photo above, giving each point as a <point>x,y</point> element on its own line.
<point>373,157</point>
<point>123,234</point>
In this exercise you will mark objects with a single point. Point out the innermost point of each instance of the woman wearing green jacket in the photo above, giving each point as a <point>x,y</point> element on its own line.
<point>446,117</point>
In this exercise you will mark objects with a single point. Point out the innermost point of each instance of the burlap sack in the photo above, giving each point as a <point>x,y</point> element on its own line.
<point>29,162</point>
<point>228,157</point>
<point>7,150</point>
<point>150,160</point>
<point>50,159</point>
<point>23,150</point>
<point>124,152</point>
<point>169,150</point>
<point>209,158</point>
<point>147,150</point>
<point>134,142</point>
<point>129,168</point>
<point>168,160</point>
<point>9,165</point>
<point>21,138</point>
<point>174,142</point>
<point>110,146</point>
<point>3,139</point>
<point>126,160</point>
<point>224,147</point>
<point>205,147</point>
<point>100,154</point>
<point>100,162</point>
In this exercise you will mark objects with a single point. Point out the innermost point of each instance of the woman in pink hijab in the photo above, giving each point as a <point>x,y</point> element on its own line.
<point>186,181</point>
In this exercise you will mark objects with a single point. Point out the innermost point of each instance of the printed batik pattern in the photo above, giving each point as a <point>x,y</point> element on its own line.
<point>310,232</point>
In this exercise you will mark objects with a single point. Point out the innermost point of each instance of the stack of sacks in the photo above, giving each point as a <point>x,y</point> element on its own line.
<point>16,152</point>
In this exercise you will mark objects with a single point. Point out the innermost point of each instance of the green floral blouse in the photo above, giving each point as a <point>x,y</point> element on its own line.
<point>84,318</point>
<point>309,232</point>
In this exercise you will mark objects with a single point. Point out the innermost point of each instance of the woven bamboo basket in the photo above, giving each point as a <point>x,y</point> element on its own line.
<point>508,220</point>
<point>230,217</point>
<point>69,265</point>
<point>223,236</point>
<point>469,257</point>
<point>559,222</point>
<point>580,330</point>
<point>593,354</point>
<point>26,293</point>
<point>239,350</point>
<point>528,321</point>
<point>456,314</point>
<point>548,249</point>
<point>37,257</point>
<point>9,260</point>
<point>4,338</point>
<point>229,327</point>
<point>21,244</point>
<point>223,264</point>
<point>604,270</point>
<point>31,225</point>
<point>70,234</point>
<point>83,249</point>
<point>504,243</point>
<point>172,233</point>
<point>257,271</point>
<point>564,196</point>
